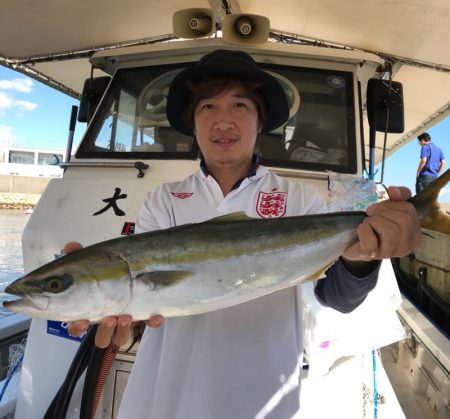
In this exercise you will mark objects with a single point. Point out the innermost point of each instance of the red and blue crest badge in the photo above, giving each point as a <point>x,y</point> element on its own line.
<point>271,204</point>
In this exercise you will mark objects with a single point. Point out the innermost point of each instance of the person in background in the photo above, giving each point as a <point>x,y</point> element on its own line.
<point>244,361</point>
<point>432,162</point>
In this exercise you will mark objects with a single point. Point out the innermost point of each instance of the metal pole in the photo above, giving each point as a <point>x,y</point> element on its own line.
<point>73,120</point>
<point>372,134</point>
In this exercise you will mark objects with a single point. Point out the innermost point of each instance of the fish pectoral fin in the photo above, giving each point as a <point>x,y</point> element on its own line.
<point>235,216</point>
<point>162,279</point>
<point>320,273</point>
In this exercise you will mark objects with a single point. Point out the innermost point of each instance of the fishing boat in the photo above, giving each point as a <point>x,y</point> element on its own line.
<point>362,79</point>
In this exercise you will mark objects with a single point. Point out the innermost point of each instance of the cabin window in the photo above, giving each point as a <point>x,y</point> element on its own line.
<point>131,121</point>
<point>320,135</point>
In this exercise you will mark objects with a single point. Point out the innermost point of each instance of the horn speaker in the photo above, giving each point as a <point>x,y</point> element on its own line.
<point>93,90</point>
<point>193,23</point>
<point>245,29</point>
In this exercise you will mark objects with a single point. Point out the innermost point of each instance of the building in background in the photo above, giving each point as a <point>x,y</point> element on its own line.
<point>35,162</point>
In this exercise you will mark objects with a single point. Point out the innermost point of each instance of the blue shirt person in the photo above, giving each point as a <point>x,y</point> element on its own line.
<point>432,162</point>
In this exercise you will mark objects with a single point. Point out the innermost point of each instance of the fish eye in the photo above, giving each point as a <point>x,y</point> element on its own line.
<point>56,284</point>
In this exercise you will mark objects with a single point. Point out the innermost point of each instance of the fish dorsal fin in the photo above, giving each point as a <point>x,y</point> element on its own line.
<point>234,216</point>
<point>159,280</point>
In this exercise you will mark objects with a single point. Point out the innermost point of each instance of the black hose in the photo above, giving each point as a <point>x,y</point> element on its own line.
<point>60,403</point>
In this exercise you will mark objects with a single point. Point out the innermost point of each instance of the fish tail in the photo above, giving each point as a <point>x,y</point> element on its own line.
<point>427,205</point>
<point>427,200</point>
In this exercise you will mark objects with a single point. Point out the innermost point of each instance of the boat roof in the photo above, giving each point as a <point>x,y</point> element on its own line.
<point>52,40</point>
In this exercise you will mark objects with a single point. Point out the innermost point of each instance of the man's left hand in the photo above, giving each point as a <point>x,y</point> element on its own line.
<point>391,229</point>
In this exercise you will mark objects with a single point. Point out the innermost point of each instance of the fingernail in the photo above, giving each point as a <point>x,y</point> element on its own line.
<point>369,210</point>
<point>371,255</point>
<point>109,323</point>
<point>124,323</point>
<point>157,322</point>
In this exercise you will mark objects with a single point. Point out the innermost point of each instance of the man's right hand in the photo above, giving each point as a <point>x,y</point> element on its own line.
<point>117,326</point>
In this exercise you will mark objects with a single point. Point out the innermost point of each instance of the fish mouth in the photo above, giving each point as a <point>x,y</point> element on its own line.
<point>33,302</point>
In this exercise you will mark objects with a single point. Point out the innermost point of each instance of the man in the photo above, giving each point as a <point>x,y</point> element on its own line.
<point>243,361</point>
<point>431,162</point>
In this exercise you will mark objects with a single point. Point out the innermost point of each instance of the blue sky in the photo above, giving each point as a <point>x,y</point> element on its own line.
<point>34,115</point>
<point>400,168</point>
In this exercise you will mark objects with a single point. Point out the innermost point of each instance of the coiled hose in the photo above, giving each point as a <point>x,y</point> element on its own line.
<point>60,403</point>
<point>96,374</point>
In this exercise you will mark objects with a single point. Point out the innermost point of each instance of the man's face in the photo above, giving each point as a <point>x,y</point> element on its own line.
<point>226,127</point>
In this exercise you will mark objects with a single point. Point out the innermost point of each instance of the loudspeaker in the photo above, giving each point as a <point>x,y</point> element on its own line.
<point>245,29</point>
<point>193,23</point>
<point>379,101</point>
<point>93,91</point>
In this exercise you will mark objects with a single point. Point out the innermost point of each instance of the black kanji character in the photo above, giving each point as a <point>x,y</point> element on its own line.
<point>113,204</point>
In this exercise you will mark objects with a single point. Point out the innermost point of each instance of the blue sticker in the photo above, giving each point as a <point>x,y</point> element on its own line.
<point>61,329</point>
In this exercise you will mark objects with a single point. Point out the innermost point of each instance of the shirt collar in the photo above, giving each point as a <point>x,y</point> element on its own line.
<point>250,173</point>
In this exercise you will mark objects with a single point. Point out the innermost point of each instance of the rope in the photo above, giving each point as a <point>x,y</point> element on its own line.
<point>375,390</point>
<point>10,376</point>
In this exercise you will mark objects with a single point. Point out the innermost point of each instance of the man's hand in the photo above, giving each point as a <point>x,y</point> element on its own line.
<point>392,229</point>
<point>117,326</point>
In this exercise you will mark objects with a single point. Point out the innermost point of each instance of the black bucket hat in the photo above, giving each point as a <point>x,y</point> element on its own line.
<point>226,63</point>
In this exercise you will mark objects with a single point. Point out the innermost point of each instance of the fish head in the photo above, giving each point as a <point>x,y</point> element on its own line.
<point>34,284</point>
<point>36,292</point>
<point>69,289</point>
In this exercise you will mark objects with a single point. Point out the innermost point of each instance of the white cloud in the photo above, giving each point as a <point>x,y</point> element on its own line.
<point>24,105</point>
<point>6,135</point>
<point>444,192</point>
<point>5,102</point>
<point>20,85</point>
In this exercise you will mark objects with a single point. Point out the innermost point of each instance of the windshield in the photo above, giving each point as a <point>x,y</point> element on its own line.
<point>320,134</point>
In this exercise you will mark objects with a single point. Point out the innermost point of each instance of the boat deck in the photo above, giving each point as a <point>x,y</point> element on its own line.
<point>347,391</point>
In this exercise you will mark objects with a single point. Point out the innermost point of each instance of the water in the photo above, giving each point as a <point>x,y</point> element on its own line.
<point>12,224</point>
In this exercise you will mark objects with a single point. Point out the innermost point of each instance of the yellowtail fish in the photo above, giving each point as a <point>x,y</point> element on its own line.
<point>193,268</point>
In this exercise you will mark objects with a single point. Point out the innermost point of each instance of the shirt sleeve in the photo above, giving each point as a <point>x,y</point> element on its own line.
<point>343,291</point>
<point>340,289</point>
<point>425,151</point>
<point>146,220</point>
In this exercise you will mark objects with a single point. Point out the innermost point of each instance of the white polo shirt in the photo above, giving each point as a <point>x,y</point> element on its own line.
<point>237,363</point>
